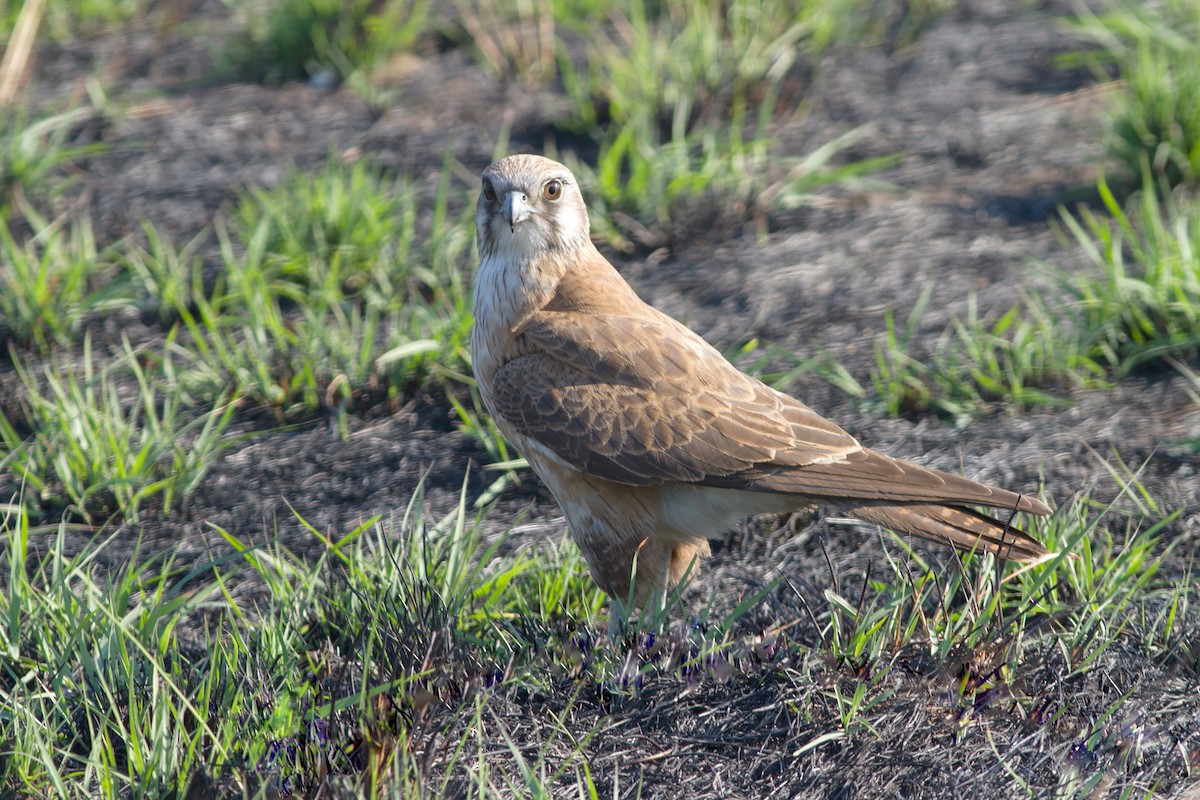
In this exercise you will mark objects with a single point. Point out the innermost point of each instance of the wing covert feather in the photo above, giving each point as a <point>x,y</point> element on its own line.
<point>643,400</point>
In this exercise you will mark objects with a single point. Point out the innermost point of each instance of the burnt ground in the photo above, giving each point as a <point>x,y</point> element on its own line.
<point>992,134</point>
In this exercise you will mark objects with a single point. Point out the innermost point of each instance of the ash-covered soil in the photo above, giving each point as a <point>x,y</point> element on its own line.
<point>991,133</point>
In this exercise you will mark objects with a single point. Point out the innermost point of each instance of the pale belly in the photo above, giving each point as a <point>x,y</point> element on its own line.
<point>661,531</point>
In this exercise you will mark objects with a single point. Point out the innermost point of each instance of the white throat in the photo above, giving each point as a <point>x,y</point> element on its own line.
<point>511,281</point>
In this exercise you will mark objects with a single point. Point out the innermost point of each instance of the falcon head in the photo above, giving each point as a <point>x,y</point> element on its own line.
<point>528,207</point>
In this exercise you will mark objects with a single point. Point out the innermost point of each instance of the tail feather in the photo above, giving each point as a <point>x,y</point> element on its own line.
<point>961,527</point>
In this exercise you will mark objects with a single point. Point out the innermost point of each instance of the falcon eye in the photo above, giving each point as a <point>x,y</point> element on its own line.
<point>552,190</point>
<point>489,193</point>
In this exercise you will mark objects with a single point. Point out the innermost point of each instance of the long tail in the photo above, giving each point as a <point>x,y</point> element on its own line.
<point>961,527</point>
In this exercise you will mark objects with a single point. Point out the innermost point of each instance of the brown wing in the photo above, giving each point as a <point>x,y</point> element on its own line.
<point>960,527</point>
<point>871,475</point>
<point>643,400</point>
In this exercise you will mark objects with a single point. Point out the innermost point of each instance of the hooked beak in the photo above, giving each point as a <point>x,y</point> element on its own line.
<point>516,209</point>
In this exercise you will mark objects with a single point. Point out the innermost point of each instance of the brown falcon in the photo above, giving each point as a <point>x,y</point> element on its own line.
<point>647,437</point>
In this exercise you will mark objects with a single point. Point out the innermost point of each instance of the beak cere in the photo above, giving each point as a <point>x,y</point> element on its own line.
<point>516,209</point>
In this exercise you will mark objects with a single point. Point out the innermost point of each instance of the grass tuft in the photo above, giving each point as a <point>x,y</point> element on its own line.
<point>287,40</point>
<point>516,39</point>
<point>32,154</point>
<point>329,291</point>
<point>684,96</point>
<point>1156,110</point>
<point>1138,307</point>
<point>1142,301</point>
<point>105,439</point>
<point>53,281</point>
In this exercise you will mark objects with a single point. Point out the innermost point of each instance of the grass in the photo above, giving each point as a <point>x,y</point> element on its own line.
<point>986,630</point>
<point>104,438</point>
<point>1140,301</point>
<point>53,281</point>
<point>33,155</point>
<point>329,291</point>
<point>518,40</point>
<point>286,40</point>
<point>1134,308</point>
<point>1155,114</point>
<point>686,60</point>
<point>118,715</point>
<point>678,98</point>
<point>1188,444</point>
<point>330,226</point>
<point>104,692</point>
<point>386,664</point>
<point>66,20</point>
<point>641,186</point>
<point>684,99</point>
<point>1030,355</point>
